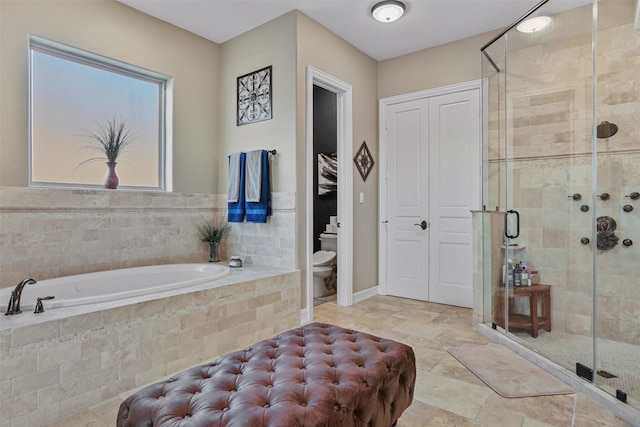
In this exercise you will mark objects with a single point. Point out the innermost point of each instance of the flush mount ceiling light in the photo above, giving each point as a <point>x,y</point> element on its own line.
<point>387,11</point>
<point>531,25</point>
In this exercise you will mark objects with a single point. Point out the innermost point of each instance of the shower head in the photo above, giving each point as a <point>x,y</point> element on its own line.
<point>606,130</point>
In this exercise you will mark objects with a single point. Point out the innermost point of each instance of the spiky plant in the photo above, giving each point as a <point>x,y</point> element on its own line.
<point>213,232</point>
<point>111,138</point>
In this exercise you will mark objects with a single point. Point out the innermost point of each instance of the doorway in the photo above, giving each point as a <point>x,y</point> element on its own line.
<point>344,143</point>
<point>431,149</point>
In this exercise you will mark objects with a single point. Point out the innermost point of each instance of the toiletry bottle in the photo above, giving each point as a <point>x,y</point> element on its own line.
<point>523,274</point>
<point>509,272</point>
<point>517,275</point>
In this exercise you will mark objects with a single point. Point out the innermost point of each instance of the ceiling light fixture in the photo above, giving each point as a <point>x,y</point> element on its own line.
<point>388,11</point>
<point>531,25</point>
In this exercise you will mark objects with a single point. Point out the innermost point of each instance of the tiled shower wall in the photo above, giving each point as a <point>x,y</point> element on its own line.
<point>549,105</point>
<point>53,232</point>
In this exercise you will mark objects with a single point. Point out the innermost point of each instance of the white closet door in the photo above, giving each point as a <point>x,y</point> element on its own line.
<point>408,200</point>
<point>433,179</point>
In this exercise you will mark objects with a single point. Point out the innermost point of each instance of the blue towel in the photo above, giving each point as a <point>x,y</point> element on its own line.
<point>259,211</point>
<point>236,209</point>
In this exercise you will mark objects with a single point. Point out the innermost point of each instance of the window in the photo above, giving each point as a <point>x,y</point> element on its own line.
<point>74,97</point>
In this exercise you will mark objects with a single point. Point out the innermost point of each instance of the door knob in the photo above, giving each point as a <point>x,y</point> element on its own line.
<point>423,225</point>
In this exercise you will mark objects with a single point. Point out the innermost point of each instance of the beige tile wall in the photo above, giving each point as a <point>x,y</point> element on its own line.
<point>54,367</point>
<point>549,113</point>
<point>53,232</point>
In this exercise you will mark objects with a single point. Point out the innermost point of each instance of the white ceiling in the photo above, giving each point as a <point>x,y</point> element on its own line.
<point>426,23</point>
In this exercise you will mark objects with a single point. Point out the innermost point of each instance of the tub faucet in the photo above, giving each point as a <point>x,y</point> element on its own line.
<point>14,301</point>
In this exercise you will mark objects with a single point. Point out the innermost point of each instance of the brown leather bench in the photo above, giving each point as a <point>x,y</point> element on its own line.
<point>315,375</point>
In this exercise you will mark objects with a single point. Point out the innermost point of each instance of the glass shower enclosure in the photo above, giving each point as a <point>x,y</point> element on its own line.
<point>561,165</point>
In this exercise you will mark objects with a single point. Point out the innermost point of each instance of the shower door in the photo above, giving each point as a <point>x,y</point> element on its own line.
<point>558,187</point>
<point>617,200</point>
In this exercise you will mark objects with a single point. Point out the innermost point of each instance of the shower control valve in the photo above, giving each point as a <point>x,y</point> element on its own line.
<point>633,196</point>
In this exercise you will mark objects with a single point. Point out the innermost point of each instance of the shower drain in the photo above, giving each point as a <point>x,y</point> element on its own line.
<point>606,374</point>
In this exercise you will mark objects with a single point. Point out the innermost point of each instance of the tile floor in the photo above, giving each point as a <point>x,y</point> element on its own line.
<point>446,393</point>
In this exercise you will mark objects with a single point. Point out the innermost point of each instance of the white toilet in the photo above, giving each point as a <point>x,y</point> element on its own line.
<point>324,265</point>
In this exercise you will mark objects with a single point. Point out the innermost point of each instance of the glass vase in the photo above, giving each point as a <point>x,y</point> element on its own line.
<point>111,180</point>
<point>213,252</point>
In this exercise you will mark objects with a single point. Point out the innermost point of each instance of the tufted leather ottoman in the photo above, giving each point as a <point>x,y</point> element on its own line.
<point>315,375</point>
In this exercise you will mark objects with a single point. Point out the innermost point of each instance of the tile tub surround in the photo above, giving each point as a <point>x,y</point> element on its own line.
<point>71,358</point>
<point>53,232</point>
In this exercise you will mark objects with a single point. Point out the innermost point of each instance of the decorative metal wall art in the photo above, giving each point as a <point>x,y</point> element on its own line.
<point>254,97</point>
<point>364,161</point>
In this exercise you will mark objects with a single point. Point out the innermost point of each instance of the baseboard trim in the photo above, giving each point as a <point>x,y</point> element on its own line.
<point>304,316</point>
<point>367,293</point>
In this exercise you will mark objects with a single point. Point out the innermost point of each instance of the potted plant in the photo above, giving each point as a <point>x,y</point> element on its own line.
<point>212,233</point>
<point>111,138</point>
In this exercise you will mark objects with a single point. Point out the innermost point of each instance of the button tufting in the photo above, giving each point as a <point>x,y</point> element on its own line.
<point>314,346</point>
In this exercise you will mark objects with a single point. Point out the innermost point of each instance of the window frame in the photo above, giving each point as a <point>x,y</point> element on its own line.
<point>100,62</point>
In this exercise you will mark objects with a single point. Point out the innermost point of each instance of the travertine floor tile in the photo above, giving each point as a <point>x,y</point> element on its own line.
<point>444,418</point>
<point>451,394</point>
<point>417,415</point>
<point>446,393</point>
<point>107,410</point>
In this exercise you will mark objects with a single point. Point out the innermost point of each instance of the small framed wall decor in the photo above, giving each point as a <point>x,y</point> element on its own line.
<point>364,161</point>
<point>327,174</point>
<point>254,97</point>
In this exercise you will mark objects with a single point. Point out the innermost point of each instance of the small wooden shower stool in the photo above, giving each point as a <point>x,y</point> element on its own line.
<point>533,320</point>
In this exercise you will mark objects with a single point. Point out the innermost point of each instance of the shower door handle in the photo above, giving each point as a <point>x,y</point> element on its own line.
<point>506,229</point>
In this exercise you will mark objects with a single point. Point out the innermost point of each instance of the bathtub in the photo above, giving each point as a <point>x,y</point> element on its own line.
<point>114,285</point>
<point>116,346</point>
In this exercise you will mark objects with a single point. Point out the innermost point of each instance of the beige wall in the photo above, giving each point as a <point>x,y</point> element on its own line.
<point>114,30</point>
<point>325,51</point>
<point>451,63</point>
<point>205,73</point>
<point>273,43</point>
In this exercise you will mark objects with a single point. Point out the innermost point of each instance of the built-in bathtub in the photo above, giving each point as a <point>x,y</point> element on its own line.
<point>75,356</point>
<point>114,285</point>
